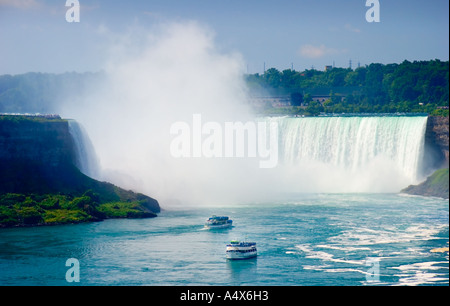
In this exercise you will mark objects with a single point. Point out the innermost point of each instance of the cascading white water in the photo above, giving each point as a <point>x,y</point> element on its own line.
<point>86,158</point>
<point>353,144</point>
<point>324,154</point>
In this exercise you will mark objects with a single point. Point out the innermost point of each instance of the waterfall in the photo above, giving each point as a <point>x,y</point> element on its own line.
<point>315,155</point>
<point>86,158</point>
<point>371,149</point>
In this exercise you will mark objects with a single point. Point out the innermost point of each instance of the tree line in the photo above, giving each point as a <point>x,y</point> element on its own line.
<point>419,86</point>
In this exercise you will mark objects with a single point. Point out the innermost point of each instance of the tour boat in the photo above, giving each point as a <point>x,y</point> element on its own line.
<point>241,250</point>
<point>218,222</point>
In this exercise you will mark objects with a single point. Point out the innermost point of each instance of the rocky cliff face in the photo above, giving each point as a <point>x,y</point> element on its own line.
<point>38,156</point>
<point>435,185</point>
<point>437,141</point>
<point>436,157</point>
<point>36,139</point>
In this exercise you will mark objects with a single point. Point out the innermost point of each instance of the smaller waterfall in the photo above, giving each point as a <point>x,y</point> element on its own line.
<point>86,158</point>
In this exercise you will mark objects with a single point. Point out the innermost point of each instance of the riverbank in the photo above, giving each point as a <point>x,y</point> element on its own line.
<point>21,210</point>
<point>435,185</point>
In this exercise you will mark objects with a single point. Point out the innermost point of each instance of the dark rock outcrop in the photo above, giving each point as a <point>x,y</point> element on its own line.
<point>436,157</point>
<point>437,142</point>
<point>437,185</point>
<point>37,156</point>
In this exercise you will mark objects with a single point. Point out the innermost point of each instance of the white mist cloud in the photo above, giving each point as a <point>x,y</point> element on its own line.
<point>155,79</point>
<point>166,75</point>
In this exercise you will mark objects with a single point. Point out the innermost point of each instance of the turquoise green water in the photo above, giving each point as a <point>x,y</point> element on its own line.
<point>320,239</point>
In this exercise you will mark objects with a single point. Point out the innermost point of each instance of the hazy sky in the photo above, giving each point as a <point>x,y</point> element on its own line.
<point>35,36</point>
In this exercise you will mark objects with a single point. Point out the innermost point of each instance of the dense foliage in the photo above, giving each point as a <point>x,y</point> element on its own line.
<point>419,86</point>
<point>50,209</point>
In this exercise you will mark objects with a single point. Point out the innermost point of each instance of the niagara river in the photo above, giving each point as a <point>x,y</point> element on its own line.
<point>329,214</point>
<point>307,239</point>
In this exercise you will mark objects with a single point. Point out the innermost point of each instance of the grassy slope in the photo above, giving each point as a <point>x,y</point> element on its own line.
<point>68,197</point>
<point>436,185</point>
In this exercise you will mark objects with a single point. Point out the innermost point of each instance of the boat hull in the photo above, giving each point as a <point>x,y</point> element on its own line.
<point>216,222</point>
<point>241,250</point>
<point>236,255</point>
<point>219,226</point>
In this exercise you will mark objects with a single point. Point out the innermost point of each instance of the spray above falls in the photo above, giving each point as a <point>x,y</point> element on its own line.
<point>155,79</point>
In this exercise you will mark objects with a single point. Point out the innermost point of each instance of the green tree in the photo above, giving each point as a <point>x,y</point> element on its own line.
<point>314,108</point>
<point>307,99</point>
<point>273,77</point>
